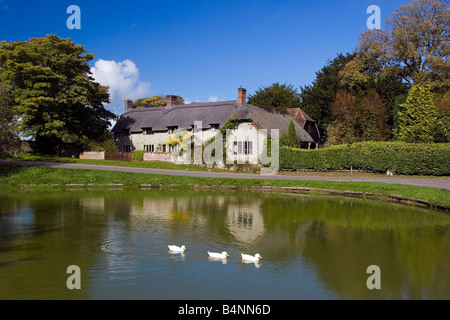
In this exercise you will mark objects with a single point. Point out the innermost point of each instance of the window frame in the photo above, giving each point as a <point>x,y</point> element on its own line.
<point>172,129</point>
<point>243,147</point>
<point>147,131</point>
<point>215,127</point>
<point>149,147</point>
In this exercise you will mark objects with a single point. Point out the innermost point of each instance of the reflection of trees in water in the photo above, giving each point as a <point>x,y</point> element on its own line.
<point>53,237</point>
<point>341,238</point>
<point>425,251</point>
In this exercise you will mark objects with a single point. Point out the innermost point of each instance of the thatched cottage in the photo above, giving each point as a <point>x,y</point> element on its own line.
<point>150,129</point>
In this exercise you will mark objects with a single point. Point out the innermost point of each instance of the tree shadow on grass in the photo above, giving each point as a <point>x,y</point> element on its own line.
<point>7,170</point>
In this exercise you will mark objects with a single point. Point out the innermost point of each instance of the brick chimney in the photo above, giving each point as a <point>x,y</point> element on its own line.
<point>128,105</point>
<point>171,100</point>
<point>242,95</point>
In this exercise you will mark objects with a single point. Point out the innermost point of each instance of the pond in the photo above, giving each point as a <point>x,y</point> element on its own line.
<point>312,247</point>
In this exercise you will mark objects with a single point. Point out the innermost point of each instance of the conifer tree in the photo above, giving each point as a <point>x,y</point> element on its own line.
<point>418,117</point>
<point>292,136</point>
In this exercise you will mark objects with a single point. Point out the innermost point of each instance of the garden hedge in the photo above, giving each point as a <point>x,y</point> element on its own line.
<point>398,157</point>
<point>138,155</point>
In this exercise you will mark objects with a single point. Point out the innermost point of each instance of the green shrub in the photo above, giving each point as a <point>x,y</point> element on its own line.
<point>109,146</point>
<point>399,157</point>
<point>138,155</point>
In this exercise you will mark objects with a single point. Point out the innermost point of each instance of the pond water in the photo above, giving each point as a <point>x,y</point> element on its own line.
<point>311,247</point>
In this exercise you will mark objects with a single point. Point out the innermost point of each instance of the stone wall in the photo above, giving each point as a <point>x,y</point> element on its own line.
<point>148,156</point>
<point>93,155</point>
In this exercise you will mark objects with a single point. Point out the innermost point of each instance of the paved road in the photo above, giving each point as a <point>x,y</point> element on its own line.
<point>436,183</point>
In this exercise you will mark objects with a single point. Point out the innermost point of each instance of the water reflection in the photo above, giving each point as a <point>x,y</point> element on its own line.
<point>120,238</point>
<point>223,260</point>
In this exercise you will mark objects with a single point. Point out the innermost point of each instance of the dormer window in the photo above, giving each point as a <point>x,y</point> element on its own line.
<point>147,131</point>
<point>171,130</point>
<point>196,128</point>
<point>215,127</point>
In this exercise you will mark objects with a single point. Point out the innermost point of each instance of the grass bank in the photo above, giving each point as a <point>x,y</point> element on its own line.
<point>135,164</point>
<point>173,166</point>
<point>13,178</point>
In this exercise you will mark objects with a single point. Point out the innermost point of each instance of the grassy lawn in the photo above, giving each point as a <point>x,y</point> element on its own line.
<point>137,164</point>
<point>13,178</point>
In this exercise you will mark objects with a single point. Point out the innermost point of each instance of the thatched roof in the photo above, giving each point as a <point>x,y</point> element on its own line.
<point>183,116</point>
<point>299,115</point>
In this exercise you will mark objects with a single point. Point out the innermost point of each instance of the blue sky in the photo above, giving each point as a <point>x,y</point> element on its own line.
<point>201,50</point>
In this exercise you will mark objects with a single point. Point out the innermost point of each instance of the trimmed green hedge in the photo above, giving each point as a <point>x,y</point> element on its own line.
<point>138,155</point>
<point>399,157</point>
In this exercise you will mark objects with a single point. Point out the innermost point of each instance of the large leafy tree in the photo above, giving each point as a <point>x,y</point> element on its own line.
<point>316,99</point>
<point>415,45</point>
<point>9,139</point>
<point>54,95</point>
<point>344,115</point>
<point>155,101</point>
<point>354,119</point>
<point>372,118</point>
<point>277,95</point>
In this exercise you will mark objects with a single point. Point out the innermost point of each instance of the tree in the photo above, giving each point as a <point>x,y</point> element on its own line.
<point>316,99</point>
<point>290,139</point>
<point>103,143</point>
<point>279,96</point>
<point>344,115</point>
<point>9,140</point>
<point>418,117</point>
<point>415,46</point>
<point>395,125</point>
<point>372,119</point>
<point>155,101</point>
<point>356,119</point>
<point>54,95</point>
<point>442,102</point>
<point>366,83</point>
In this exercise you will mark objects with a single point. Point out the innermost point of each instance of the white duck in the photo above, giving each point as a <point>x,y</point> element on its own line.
<point>248,257</point>
<point>176,248</point>
<point>216,255</point>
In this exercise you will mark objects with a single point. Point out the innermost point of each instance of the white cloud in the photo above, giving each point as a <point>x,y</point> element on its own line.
<point>186,101</point>
<point>210,99</point>
<point>213,99</point>
<point>123,80</point>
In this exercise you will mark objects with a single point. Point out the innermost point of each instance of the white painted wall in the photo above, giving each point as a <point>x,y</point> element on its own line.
<point>244,132</point>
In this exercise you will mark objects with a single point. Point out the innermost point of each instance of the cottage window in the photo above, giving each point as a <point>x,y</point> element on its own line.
<point>248,147</point>
<point>146,131</point>
<point>243,147</point>
<point>215,127</point>
<point>149,148</point>
<point>172,129</point>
